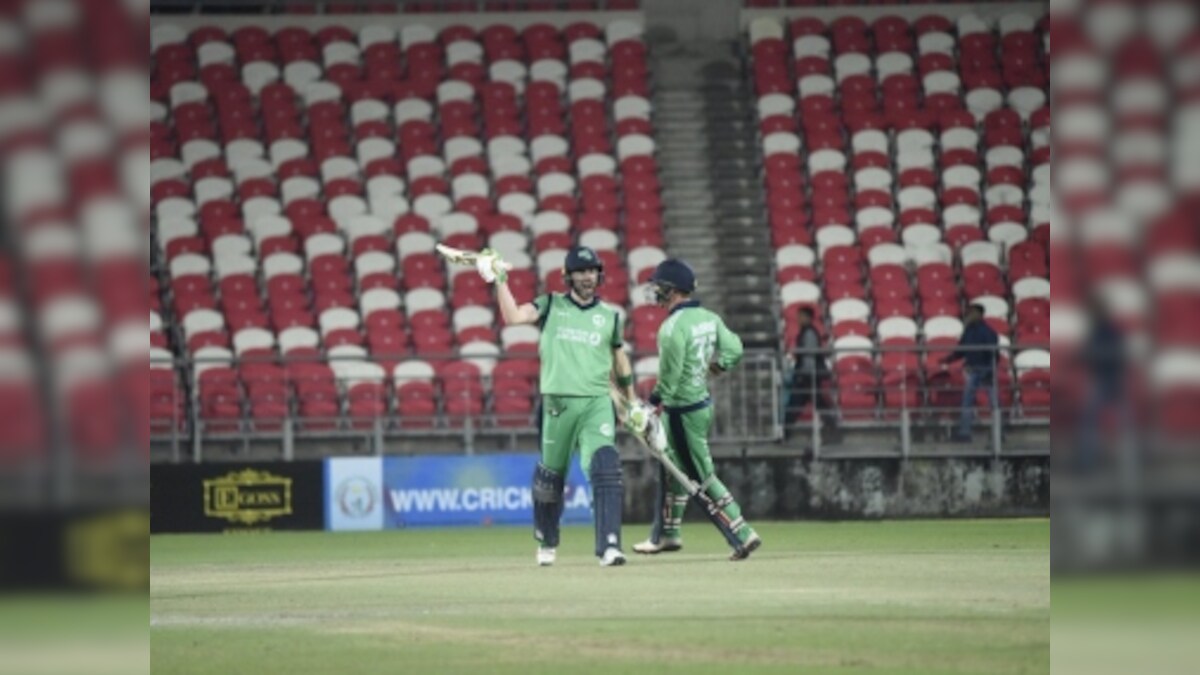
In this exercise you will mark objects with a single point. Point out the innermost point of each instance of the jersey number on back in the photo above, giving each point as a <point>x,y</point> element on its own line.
<point>703,346</point>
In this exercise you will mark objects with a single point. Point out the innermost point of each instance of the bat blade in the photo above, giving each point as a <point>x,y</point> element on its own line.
<point>461,257</point>
<point>457,256</point>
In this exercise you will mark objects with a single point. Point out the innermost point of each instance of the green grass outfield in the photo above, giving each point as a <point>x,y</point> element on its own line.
<point>920,597</point>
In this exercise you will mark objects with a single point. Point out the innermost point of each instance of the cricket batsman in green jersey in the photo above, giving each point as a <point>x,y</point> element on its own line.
<point>693,343</point>
<point>580,345</point>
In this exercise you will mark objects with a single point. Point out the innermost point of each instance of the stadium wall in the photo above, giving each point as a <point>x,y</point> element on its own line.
<point>797,488</point>
<point>375,493</point>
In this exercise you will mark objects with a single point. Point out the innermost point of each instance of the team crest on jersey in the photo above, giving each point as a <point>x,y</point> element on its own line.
<point>598,320</point>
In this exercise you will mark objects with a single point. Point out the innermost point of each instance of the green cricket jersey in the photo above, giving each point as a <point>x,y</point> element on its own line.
<point>687,341</point>
<point>576,346</point>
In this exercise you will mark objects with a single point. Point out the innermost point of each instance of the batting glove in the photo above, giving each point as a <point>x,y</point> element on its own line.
<point>656,435</point>
<point>639,418</point>
<point>491,266</point>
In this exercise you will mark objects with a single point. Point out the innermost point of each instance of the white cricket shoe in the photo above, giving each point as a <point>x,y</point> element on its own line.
<point>612,557</point>
<point>665,545</point>
<point>545,556</point>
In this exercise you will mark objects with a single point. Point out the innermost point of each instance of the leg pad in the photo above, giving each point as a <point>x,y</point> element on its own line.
<point>547,505</point>
<point>608,497</point>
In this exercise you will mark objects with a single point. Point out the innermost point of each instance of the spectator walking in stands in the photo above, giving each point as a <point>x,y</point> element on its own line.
<point>977,350</point>
<point>1103,358</point>
<point>810,375</point>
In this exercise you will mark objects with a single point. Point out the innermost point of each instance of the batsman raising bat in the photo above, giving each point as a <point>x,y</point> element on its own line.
<point>580,346</point>
<point>687,342</point>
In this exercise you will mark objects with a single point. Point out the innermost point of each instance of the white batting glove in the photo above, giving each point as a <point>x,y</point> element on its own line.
<point>655,434</point>
<point>491,266</point>
<point>639,418</point>
<point>483,264</point>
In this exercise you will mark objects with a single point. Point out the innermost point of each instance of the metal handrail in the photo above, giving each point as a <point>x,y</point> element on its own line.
<point>917,396</point>
<point>751,402</point>
<point>268,6</point>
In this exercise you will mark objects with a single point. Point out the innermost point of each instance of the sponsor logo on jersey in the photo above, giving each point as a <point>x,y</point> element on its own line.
<point>569,334</point>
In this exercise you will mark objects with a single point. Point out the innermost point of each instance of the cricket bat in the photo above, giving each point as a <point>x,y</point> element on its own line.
<point>461,257</point>
<point>654,438</point>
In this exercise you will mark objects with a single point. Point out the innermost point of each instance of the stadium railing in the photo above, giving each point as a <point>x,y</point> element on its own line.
<point>376,7</point>
<point>909,390</point>
<point>895,390</point>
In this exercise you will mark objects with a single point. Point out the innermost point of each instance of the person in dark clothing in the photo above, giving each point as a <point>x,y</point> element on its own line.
<point>1103,357</point>
<point>810,374</point>
<point>979,361</point>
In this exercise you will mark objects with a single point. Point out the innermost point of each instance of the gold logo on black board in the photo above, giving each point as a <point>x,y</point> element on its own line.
<point>248,497</point>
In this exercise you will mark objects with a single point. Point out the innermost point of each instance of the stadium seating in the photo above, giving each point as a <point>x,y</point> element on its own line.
<point>300,180</point>
<point>453,7</point>
<point>761,4</point>
<point>906,172</point>
<point>75,237</point>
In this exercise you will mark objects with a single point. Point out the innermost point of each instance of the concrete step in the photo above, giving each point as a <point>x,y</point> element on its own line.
<point>746,218</point>
<point>735,165</point>
<point>763,326</point>
<point>693,221</point>
<point>744,283</point>
<point>749,322</point>
<point>684,248</point>
<point>751,200</point>
<point>750,224</point>
<point>751,302</point>
<point>672,128</point>
<point>720,185</point>
<point>700,181</point>
<point>741,206</point>
<point>757,317</point>
<point>694,172</point>
<point>747,265</point>
<point>683,153</point>
<point>758,321</point>
<point>692,216</point>
<point>707,244</point>
<point>711,170</point>
<point>686,200</point>
<point>726,168</point>
<point>688,192</point>
<point>741,193</point>
<point>747,159</point>
<point>686,203</point>
<point>700,266</point>
<point>716,114</point>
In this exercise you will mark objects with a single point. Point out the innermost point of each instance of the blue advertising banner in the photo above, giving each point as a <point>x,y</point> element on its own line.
<point>481,490</point>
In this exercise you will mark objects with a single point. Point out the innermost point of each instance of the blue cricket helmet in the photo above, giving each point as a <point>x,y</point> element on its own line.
<point>581,258</point>
<point>674,274</point>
